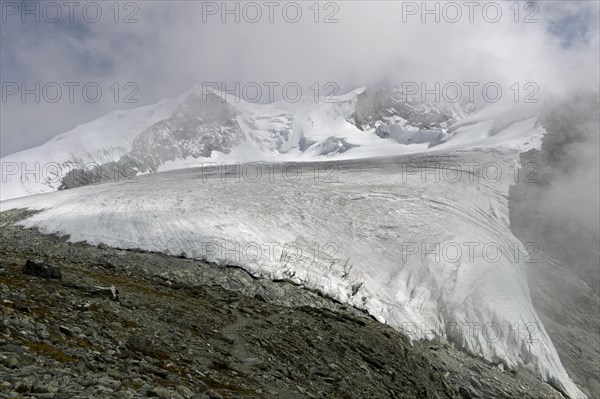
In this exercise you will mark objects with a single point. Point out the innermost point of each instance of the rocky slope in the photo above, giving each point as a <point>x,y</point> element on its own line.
<point>186,329</point>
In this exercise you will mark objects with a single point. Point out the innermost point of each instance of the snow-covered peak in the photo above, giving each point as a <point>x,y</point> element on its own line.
<point>103,140</point>
<point>199,127</point>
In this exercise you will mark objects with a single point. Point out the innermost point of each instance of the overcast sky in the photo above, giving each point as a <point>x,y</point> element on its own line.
<point>176,45</point>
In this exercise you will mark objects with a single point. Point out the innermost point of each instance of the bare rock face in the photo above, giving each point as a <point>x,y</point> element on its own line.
<point>391,106</point>
<point>403,136</point>
<point>201,125</point>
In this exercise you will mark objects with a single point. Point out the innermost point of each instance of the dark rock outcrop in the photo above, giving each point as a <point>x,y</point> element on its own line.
<point>41,269</point>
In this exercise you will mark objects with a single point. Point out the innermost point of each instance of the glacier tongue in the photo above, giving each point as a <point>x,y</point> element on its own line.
<point>352,237</point>
<point>421,241</point>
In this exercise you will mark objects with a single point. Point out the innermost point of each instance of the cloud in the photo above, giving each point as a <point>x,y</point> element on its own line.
<point>171,49</point>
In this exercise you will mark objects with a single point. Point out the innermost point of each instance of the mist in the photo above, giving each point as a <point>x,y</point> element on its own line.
<point>176,45</point>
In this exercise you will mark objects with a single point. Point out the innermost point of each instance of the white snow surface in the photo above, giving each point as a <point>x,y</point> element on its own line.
<point>103,140</point>
<point>421,240</point>
<point>272,132</point>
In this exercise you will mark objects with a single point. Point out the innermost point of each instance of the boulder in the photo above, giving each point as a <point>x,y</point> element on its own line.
<point>42,269</point>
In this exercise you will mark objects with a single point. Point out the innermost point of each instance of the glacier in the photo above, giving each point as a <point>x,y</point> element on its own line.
<point>395,229</point>
<point>197,127</point>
